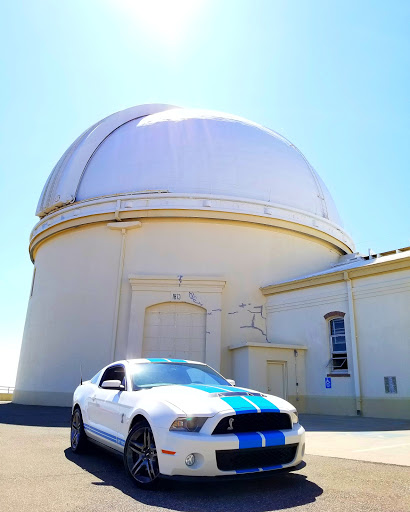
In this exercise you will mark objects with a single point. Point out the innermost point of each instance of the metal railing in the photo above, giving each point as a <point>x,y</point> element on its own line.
<point>7,389</point>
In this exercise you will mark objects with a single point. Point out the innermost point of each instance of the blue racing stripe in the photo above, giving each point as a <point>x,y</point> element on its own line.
<point>239,404</point>
<point>254,470</point>
<point>249,440</point>
<point>177,360</point>
<point>263,404</point>
<point>274,438</point>
<point>204,387</point>
<point>268,468</point>
<point>157,359</point>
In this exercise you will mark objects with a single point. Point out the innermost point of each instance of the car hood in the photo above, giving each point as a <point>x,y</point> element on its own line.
<point>203,400</point>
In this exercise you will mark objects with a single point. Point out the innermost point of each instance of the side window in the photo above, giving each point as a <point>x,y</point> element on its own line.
<point>338,345</point>
<point>115,373</point>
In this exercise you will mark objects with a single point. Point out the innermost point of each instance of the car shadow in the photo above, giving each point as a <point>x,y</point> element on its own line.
<point>34,415</point>
<point>277,492</point>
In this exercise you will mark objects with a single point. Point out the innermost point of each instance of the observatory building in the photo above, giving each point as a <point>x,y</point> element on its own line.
<point>184,233</point>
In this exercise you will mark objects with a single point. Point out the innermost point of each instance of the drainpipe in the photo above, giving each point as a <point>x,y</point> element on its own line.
<point>353,337</point>
<point>123,226</point>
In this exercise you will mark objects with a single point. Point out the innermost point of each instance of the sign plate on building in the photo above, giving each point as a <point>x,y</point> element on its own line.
<point>328,382</point>
<point>176,296</point>
<point>390,385</point>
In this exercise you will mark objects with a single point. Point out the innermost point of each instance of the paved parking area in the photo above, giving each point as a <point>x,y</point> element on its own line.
<point>38,472</point>
<point>370,439</point>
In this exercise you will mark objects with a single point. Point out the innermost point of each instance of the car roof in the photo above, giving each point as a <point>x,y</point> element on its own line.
<point>161,360</point>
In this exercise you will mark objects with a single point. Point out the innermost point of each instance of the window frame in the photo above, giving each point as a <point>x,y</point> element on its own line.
<point>337,354</point>
<point>120,365</point>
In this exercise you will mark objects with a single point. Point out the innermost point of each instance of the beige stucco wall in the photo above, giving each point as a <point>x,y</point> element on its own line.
<point>250,368</point>
<point>72,310</point>
<point>381,305</point>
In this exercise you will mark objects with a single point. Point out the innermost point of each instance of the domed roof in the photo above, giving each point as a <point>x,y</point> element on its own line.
<point>188,151</point>
<point>164,149</point>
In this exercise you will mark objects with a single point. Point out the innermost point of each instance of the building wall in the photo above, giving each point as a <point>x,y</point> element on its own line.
<point>297,318</point>
<point>72,312</point>
<point>381,307</point>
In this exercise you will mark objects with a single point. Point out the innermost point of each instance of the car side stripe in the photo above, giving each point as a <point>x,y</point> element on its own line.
<point>104,435</point>
<point>238,404</point>
<point>263,404</point>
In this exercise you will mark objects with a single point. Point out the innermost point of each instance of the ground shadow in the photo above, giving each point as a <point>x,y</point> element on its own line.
<point>34,415</point>
<point>322,423</point>
<point>277,492</point>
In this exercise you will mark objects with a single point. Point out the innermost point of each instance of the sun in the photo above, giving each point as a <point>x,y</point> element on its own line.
<point>166,20</point>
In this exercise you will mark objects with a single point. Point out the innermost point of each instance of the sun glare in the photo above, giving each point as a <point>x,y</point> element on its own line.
<point>166,20</point>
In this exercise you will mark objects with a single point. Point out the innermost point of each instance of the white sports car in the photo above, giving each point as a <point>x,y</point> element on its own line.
<point>171,417</point>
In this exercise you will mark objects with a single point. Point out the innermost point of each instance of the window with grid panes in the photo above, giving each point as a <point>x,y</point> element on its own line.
<point>338,345</point>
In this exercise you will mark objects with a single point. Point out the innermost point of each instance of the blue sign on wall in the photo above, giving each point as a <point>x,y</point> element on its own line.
<point>328,382</point>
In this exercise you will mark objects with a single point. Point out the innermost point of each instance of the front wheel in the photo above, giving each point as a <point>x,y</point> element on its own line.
<point>140,456</point>
<point>78,437</point>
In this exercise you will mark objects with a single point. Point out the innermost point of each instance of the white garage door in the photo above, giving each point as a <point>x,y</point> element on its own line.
<point>175,330</point>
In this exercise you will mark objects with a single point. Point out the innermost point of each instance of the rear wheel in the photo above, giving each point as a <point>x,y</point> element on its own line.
<point>140,456</point>
<point>78,437</point>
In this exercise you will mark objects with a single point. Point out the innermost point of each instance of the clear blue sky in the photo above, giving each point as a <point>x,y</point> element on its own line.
<point>333,77</point>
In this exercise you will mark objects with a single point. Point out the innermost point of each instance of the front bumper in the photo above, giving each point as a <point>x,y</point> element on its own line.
<point>204,447</point>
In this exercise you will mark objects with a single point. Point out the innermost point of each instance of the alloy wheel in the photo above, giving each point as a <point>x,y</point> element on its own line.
<point>141,455</point>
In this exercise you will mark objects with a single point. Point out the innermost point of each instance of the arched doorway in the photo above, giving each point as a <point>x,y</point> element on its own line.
<point>175,330</point>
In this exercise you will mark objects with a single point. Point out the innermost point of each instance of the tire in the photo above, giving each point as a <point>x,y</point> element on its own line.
<point>140,456</point>
<point>78,437</point>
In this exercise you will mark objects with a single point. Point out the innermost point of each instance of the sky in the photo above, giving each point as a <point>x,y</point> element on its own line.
<point>331,76</point>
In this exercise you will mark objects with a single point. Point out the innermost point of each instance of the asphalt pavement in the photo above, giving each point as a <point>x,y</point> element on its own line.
<point>38,472</point>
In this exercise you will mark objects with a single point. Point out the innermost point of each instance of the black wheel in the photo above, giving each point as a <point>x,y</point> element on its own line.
<point>140,456</point>
<point>78,437</point>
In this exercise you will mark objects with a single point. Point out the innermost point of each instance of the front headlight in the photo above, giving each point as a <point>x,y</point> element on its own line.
<point>294,417</point>
<point>188,424</point>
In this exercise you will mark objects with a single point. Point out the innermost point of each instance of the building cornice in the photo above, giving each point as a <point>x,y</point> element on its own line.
<point>339,276</point>
<point>250,344</point>
<point>166,205</point>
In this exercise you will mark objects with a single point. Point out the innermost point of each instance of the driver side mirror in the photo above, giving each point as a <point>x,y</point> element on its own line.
<point>231,382</point>
<point>112,384</point>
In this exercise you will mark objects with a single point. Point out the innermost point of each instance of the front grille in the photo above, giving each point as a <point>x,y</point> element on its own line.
<point>253,422</point>
<point>253,458</point>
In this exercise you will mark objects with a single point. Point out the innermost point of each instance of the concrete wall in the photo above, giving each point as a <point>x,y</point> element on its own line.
<point>73,309</point>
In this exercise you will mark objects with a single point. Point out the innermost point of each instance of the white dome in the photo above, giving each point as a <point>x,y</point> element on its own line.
<point>197,153</point>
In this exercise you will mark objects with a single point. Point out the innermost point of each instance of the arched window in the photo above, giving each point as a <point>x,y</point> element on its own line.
<point>338,361</point>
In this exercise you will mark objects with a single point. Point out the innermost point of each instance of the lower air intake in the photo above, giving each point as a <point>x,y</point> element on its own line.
<point>253,458</point>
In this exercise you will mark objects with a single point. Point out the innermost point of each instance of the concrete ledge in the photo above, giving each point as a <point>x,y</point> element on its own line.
<point>254,344</point>
<point>393,408</point>
<point>56,398</point>
<point>387,407</point>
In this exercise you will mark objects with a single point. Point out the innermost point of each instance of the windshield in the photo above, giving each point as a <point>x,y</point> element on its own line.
<point>148,375</point>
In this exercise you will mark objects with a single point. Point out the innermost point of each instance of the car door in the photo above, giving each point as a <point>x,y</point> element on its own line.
<point>103,411</point>
<point>127,403</point>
